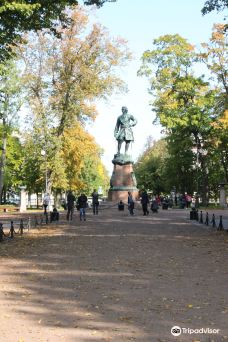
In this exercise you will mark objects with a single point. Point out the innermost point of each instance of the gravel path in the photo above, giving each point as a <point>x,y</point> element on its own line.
<point>115,278</point>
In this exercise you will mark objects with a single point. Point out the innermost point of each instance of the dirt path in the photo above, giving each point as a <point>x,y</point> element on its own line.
<point>115,278</point>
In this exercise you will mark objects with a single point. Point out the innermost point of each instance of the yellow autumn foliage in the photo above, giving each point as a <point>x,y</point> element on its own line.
<point>80,150</point>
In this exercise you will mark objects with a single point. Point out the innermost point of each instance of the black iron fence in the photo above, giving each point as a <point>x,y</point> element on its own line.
<point>216,221</point>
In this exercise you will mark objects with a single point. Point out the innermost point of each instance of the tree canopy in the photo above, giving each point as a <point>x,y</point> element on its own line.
<point>17,17</point>
<point>214,5</point>
<point>63,76</point>
<point>191,109</point>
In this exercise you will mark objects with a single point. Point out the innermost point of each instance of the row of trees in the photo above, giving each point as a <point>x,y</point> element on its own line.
<point>192,109</point>
<point>55,81</point>
<point>53,65</point>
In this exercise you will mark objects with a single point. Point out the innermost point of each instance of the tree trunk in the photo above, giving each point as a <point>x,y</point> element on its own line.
<point>3,159</point>
<point>205,183</point>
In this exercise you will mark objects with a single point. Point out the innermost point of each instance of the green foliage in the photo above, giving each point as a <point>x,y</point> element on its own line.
<point>214,55</point>
<point>10,92</point>
<point>19,16</point>
<point>63,76</point>
<point>14,161</point>
<point>212,5</point>
<point>149,168</point>
<point>68,73</point>
<point>188,108</point>
<point>10,103</point>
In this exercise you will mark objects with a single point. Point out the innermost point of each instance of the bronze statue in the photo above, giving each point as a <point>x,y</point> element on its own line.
<point>123,131</point>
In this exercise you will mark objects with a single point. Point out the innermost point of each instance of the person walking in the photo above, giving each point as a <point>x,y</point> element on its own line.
<point>82,204</point>
<point>95,202</point>
<point>70,205</point>
<point>131,203</point>
<point>144,202</point>
<point>46,202</point>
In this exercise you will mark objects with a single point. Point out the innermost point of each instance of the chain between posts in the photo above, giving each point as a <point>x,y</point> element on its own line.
<point>194,215</point>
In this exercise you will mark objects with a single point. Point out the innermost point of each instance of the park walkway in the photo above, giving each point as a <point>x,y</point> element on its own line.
<point>115,278</point>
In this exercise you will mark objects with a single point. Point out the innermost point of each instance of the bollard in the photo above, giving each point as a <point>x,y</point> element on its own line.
<point>201,217</point>
<point>207,219</point>
<point>191,215</point>
<point>220,226</point>
<point>11,230</point>
<point>46,218</point>
<point>1,232</point>
<point>36,222</point>
<point>197,215</point>
<point>29,223</point>
<point>21,227</point>
<point>213,221</point>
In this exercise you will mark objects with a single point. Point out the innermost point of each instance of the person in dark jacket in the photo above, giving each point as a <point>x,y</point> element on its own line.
<point>144,202</point>
<point>131,203</point>
<point>82,205</point>
<point>95,202</point>
<point>54,215</point>
<point>70,205</point>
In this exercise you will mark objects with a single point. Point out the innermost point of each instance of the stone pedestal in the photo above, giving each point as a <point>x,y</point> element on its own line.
<point>22,199</point>
<point>222,196</point>
<point>122,180</point>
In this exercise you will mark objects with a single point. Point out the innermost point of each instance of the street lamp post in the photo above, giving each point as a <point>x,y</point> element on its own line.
<point>43,153</point>
<point>197,151</point>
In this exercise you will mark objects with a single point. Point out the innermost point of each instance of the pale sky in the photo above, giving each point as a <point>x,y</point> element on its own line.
<point>140,22</point>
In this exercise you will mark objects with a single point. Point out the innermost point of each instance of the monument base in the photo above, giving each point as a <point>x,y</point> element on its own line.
<point>122,181</point>
<point>122,195</point>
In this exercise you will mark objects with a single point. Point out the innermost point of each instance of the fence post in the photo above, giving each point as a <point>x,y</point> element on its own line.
<point>207,219</point>
<point>29,223</point>
<point>220,226</point>
<point>21,227</point>
<point>11,230</point>
<point>213,221</point>
<point>201,217</point>
<point>46,218</point>
<point>1,232</point>
<point>36,221</point>
<point>197,215</point>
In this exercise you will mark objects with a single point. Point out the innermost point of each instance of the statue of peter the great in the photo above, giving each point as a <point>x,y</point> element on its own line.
<point>123,131</point>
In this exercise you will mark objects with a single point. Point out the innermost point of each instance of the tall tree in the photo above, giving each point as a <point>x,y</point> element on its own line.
<point>64,75</point>
<point>214,55</point>
<point>149,168</point>
<point>13,170</point>
<point>84,170</point>
<point>10,103</point>
<point>183,102</point>
<point>17,17</point>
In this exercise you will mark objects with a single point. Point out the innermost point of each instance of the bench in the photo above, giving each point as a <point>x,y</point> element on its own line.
<point>10,209</point>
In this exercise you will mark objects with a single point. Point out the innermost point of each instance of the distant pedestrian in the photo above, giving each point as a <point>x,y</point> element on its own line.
<point>95,201</point>
<point>46,201</point>
<point>120,205</point>
<point>131,204</point>
<point>145,201</point>
<point>154,206</point>
<point>70,205</point>
<point>188,199</point>
<point>82,205</point>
